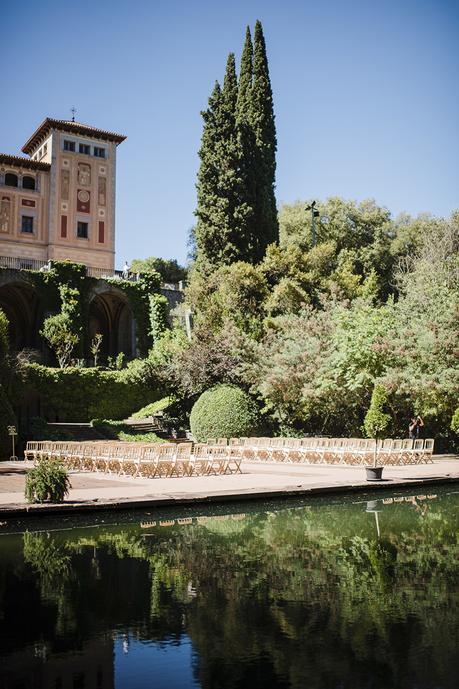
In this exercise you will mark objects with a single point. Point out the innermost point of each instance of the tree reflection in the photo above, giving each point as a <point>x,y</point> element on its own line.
<point>296,597</point>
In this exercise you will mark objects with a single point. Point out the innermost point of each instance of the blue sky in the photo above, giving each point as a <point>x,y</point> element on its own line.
<point>366,97</point>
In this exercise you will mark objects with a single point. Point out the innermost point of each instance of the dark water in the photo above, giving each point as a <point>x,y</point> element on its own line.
<point>344,594</point>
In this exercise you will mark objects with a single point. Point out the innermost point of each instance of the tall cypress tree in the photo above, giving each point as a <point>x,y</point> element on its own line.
<point>236,207</point>
<point>264,131</point>
<point>231,177</point>
<point>221,209</point>
<point>208,211</point>
<point>246,148</point>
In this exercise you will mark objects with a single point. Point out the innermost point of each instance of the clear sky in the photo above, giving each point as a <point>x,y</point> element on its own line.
<point>365,92</point>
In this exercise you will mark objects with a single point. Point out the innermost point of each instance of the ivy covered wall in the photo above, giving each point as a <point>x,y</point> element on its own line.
<point>66,289</point>
<point>82,394</point>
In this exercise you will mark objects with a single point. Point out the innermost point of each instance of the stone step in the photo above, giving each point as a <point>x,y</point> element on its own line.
<point>78,431</point>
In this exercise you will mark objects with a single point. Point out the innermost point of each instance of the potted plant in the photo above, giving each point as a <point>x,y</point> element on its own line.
<point>377,423</point>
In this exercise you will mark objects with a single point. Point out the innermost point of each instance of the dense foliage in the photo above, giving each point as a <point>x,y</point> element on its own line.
<point>311,331</point>
<point>224,411</point>
<point>169,269</point>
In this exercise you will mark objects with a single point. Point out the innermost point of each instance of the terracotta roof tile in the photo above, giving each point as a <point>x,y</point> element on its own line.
<point>68,126</point>
<point>20,161</point>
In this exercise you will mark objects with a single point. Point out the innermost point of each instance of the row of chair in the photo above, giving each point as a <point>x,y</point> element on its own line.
<point>147,460</point>
<point>222,456</point>
<point>352,451</point>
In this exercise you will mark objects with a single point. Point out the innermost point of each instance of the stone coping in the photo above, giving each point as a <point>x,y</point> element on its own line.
<point>259,481</point>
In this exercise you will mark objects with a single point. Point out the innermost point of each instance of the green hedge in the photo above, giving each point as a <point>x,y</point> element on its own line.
<point>82,394</point>
<point>224,411</point>
<point>153,408</point>
<point>117,430</point>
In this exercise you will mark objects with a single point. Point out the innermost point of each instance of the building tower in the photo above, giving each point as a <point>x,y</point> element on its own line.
<point>60,202</point>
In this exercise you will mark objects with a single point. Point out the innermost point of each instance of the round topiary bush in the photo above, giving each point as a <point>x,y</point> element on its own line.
<point>224,411</point>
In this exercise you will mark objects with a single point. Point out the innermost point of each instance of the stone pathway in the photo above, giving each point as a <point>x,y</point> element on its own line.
<point>258,480</point>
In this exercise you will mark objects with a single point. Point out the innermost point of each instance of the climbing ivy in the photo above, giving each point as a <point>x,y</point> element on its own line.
<point>159,307</point>
<point>139,294</point>
<point>65,289</point>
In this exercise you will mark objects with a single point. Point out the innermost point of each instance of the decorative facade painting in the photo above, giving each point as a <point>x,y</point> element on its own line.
<point>65,184</point>
<point>84,174</point>
<point>102,191</point>
<point>5,214</point>
<point>83,201</point>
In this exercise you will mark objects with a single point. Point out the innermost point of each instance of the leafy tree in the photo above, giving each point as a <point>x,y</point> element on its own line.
<point>96,344</point>
<point>58,332</point>
<point>169,269</point>
<point>286,297</point>
<point>188,368</point>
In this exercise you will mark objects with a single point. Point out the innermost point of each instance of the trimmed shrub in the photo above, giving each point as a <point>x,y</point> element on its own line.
<point>47,482</point>
<point>224,411</point>
<point>377,423</point>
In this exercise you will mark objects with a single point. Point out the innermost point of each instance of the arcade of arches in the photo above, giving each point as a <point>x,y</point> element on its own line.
<point>109,314</point>
<point>19,302</point>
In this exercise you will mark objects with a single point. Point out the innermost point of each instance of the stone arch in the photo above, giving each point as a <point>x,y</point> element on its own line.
<point>111,315</point>
<point>19,302</point>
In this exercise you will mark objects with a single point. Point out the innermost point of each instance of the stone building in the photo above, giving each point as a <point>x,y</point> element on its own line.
<point>59,202</point>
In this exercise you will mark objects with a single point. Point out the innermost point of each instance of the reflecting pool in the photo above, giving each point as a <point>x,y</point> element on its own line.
<point>344,593</point>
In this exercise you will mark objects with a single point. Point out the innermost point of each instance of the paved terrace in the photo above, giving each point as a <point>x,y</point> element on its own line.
<point>92,491</point>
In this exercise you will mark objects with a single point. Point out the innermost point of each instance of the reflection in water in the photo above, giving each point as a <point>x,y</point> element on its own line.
<point>349,595</point>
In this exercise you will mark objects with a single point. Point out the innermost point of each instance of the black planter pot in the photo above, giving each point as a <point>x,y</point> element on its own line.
<point>374,473</point>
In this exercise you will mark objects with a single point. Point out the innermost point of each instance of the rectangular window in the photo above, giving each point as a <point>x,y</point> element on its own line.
<point>64,226</point>
<point>69,145</point>
<point>99,152</point>
<point>84,148</point>
<point>45,149</point>
<point>101,232</point>
<point>82,230</point>
<point>27,224</point>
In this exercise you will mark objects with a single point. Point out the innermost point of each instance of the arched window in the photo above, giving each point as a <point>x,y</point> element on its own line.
<point>28,182</point>
<point>11,180</point>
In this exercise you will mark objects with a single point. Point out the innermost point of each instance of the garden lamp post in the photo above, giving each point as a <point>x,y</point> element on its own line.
<point>314,214</point>
<point>13,433</point>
